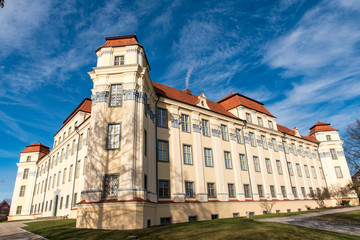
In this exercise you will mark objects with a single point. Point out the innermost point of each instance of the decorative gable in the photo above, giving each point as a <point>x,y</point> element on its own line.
<point>202,101</point>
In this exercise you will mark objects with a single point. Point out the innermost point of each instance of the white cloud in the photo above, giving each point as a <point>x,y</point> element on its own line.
<point>322,48</point>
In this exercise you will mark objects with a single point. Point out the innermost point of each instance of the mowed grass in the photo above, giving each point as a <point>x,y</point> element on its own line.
<point>352,217</point>
<point>286,214</point>
<point>232,228</point>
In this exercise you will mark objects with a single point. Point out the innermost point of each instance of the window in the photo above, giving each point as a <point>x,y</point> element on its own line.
<point>333,154</point>
<point>49,183</point>
<point>67,201</point>
<point>145,142</point>
<point>113,138</point>
<point>236,214</point>
<point>205,127</point>
<point>313,172</point>
<point>26,173</point>
<point>228,163</point>
<point>256,164</point>
<point>260,190</point>
<point>111,185</point>
<point>286,149</point>
<point>294,191</point>
<point>231,190</point>
<point>64,176</point>
<point>61,202</point>
<point>145,182</point>
<point>163,151</point>
<point>211,190</point>
<point>224,133</point>
<point>46,205</point>
<point>58,180</point>
<point>165,220</point>
<point>272,190</point>
<point>260,121</point>
<point>74,200</point>
<point>193,218</point>
<point>238,135</point>
<point>271,124</point>
<point>291,172</point>
<point>263,140</point>
<point>161,118</point>
<point>18,210</point>
<point>164,188</point>
<point>248,117</point>
<point>283,191</point>
<point>185,123</point>
<point>247,191</point>
<point>268,165</point>
<point>73,147</point>
<point>70,172</point>
<point>214,216</point>
<point>274,143</point>
<point>321,173</point>
<point>81,141</point>
<point>187,154</point>
<point>189,189</point>
<point>252,139</point>
<point>28,159</point>
<point>307,173</point>
<point>298,169</point>
<point>294,149</point>
<point>242,162</point>
<point>328,137</point>
<point>22,191</point>
<point>77,169</point>
<point>338,172</point>
<point>303,191</point>
<point>119,60</point>
<point>208,157</point>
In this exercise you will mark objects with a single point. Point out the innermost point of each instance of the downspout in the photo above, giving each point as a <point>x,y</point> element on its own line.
<point>246,157</point>
<point>282,142</point>
<point>156,149</point>
<point>73,177</point>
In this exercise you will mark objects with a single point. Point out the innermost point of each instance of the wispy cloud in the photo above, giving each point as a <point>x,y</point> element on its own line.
<point>322,48</point>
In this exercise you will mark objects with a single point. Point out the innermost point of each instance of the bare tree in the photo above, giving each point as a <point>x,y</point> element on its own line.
<point>2,3</point>
<point>352,145</point>
<point>319,196</point>
<point>338,192</point>
<point>267,205</point>
<point>355,187</point>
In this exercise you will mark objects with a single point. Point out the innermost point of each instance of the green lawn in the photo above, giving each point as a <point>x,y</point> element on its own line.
<point>232,228</point>
<point>348,217</point>
<point>272,215</point>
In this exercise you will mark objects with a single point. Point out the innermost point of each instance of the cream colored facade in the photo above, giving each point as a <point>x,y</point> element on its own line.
<point>119,170</point>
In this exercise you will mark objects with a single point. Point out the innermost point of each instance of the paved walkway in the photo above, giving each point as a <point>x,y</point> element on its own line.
<point>308,220</point>
<point>13,230</point>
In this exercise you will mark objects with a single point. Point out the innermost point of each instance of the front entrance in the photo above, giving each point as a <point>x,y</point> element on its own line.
<point>56,204</point>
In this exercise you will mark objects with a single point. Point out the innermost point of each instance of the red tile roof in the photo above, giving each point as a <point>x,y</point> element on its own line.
<point>84,106</point>
<point>321,127</point>
<point>181,96</point>
<point>4,205</point>
<point>37,147</point>
<point>292,132</point>
<point>120,41</point>
<point>234,100</point>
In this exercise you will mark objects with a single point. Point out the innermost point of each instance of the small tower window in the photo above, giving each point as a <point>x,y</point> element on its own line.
<point>119,60</point>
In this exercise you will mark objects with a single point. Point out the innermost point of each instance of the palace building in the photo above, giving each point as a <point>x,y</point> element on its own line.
<point>139,154</point>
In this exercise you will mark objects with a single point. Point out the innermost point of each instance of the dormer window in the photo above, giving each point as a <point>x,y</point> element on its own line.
<point>119,61</point>
<point>271,124</point>
<point>248,117</point>
<point>260,121</point>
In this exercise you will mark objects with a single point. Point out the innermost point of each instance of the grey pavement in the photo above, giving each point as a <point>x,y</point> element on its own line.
<point>13,230</point>
<point>309,220</point>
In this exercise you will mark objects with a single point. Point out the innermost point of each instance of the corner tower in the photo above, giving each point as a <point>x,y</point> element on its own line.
<point>331,154</point>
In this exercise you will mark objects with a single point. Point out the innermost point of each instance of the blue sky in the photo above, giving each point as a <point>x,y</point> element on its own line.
<point>301,58</point>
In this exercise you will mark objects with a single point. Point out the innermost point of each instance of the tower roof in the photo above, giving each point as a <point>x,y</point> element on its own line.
<point>234,100</point>
<point>321,127</point>
<point>118,41</point>
<point>37,147</point>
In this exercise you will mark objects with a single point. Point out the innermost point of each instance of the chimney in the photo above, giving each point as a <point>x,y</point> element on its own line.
<point>187,90</point>
<point>296,130</point>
